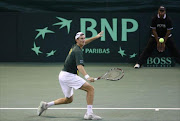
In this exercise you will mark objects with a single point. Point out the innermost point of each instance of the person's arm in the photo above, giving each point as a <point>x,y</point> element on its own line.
<point>169,28</point>
<point>159,45</point>
<point>155,35</point>
<point>154,32</point>
<point>162,45</point>
<point>166,36</point>
<point>93,38</point>
<point>84,73</point>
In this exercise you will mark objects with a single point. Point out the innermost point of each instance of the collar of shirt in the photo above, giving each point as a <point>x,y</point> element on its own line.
<point>163,17</point>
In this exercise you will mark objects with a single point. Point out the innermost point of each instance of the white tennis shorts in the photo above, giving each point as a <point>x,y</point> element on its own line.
<point>68,81</point>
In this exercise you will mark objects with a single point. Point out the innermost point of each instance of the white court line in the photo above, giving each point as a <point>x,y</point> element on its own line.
<point>93,108</point>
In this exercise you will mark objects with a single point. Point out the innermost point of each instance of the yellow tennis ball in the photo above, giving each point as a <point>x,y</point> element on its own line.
<point>161,40</point>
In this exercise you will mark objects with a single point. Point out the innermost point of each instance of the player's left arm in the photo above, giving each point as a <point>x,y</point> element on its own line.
<point>169,28</point>
<point>93,38</point>
<point>165,39</point>
<point>166,36</point>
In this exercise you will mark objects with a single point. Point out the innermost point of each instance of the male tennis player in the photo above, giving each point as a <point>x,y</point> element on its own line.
<point>161,28</point>
<point>69,79</point>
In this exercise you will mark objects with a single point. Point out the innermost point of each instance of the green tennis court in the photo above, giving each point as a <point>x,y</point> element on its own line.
<point>133,98</point>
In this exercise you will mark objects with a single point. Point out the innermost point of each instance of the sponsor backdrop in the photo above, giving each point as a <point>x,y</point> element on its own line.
<point>48,37</point>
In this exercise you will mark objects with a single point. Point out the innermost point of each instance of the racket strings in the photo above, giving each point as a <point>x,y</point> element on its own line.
<point>114,75</point>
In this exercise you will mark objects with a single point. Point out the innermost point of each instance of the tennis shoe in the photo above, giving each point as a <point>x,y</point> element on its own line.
<point>137,66</point>
<point>42,107</point>
<point>91,116</point>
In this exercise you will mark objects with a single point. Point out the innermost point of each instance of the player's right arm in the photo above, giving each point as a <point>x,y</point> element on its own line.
<point>160,47</point>
<point>155,35</point>
<point>84,73</point>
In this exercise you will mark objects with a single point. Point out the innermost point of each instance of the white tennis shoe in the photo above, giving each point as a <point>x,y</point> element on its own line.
<point>137,66</point>
<point>42,107</point>
<point>91,117</point>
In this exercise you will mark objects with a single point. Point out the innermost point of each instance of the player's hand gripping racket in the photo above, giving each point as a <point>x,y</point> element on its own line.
<point>113,74</point>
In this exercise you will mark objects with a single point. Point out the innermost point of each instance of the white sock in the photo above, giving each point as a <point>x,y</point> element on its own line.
<point>49,104</point>
<point>89,109</point>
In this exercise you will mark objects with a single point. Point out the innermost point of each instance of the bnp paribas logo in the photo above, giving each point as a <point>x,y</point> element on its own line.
<point>110,28</point>
<point>42,32</point>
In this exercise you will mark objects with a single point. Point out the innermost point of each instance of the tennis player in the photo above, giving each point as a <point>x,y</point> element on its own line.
<point>69,79</point>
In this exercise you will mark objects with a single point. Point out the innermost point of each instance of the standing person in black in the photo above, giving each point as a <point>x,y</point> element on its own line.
<point>161,28</point>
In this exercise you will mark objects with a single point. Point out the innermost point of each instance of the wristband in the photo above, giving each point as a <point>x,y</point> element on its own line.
<point>86,76</point>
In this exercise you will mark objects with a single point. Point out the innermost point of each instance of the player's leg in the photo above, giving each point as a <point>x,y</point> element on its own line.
<point>90,98</point>
<point>147,52</point>
<point>44,105</point>
<point>77,82</point>
<point>173,49</point>
<point>67,90</point>
<point>65,100</point>
<point>90,92</point>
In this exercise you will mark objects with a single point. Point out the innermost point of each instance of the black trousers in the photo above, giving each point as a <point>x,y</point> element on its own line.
<point>152,44</point>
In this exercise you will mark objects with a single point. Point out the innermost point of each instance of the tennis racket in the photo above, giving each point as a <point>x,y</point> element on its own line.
<point>113,74</point>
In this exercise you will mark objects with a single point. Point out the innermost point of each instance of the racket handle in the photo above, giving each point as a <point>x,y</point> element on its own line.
<point>95,79</point>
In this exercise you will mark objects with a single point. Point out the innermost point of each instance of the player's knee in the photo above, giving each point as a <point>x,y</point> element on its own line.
<point>87,87</point>
<point>68,100</point>
<point>91,88</point>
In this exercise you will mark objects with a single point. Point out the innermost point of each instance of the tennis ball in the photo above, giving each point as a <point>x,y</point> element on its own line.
<point>156,109</point>
<point>161,40</point>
